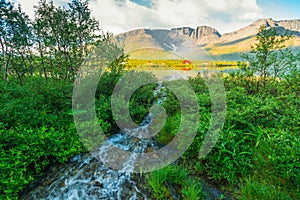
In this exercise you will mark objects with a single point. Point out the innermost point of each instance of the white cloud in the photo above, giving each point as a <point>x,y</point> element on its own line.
<point>225,15</point>
<point>122,15</point>
<point>27,6</point>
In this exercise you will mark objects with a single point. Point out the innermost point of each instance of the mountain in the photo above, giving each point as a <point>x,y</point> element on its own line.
<point>201,42</point>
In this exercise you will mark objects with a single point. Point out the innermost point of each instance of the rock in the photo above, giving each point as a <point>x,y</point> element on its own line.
<point>137,140</point>
<point>205,34</point>
<point>184,31</point>
<point>98,184</point>
<point>155,156</point>
<point>177,39</point>
<point>149,150</point>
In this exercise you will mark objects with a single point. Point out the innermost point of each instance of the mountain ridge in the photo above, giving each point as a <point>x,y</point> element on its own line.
<point>205,37</point>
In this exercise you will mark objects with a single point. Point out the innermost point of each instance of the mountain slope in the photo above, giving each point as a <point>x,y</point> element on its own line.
<point>186,41</point>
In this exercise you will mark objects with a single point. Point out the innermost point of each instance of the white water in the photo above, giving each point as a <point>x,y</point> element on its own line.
<point>86,177</point>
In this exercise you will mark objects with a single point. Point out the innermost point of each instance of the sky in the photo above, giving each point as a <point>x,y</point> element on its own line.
<point>118,16</point>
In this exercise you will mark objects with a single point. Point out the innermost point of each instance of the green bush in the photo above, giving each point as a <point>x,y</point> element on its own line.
<point>26,152</point>
<point>36,103</point>
<point>259,138</point>
<point>37,129</point>
<point>277,158</point>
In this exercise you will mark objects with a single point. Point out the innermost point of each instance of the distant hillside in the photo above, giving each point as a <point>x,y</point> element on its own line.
<point>195,43</point>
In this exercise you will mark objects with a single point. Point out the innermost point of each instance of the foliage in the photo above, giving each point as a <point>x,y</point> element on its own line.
<point>269,59</point>
<point>62,47</point>
<point>16,40</point>
<point>266,52</point>
<point>260,137</point>
<point>193,190</point>
<point>139,104</point>
<point>26,152</point>
<point>279,150</point>
<point>36,130</point>
<point>36,103</point>
<point>258,149</point>
<point>252,189</point>
<point>46,46</point>
<point>190,188</point>
<point>168,132</point>
<point>227,63</point>
<point>36,127</point>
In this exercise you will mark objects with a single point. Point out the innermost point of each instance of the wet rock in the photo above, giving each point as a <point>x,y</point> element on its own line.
<point>149,150</point>
<point>98,184</point>
<point>155,156</point>
<point>61,184</point>
<point>137,140</point>
<point>174,191</point>
<point>76,158</point>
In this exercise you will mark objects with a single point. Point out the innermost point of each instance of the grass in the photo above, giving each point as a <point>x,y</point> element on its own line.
<point>243,46</point>
<point>254,190</point>
<point>176,64</point>
<point>189,187</point>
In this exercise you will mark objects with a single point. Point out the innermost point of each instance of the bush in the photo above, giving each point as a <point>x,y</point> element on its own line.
<point>26,152</point>
<point>36,103</point>
<point>37,129</point>
<point>259,138</point>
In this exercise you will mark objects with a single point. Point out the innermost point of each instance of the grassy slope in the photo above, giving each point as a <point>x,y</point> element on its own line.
<point>216,50</point>
<point>152,54</point>
<point>243,46</point>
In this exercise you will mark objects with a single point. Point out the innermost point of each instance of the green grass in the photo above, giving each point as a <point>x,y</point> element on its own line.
<point>254,190</point>
<point>190,187</point>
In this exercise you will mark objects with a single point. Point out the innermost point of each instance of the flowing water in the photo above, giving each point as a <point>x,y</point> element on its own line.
<point>87,176</point>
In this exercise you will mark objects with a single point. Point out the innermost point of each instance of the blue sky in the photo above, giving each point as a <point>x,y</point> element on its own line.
<point>277,8</point>
<point>118,16</point>
<point>147,3</point>
<point>280,9</point>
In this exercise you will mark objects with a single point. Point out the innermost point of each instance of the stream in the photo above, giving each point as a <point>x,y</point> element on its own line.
<point>86,177</point>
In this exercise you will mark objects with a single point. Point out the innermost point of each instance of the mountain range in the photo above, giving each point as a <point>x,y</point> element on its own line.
<point>201,42</point>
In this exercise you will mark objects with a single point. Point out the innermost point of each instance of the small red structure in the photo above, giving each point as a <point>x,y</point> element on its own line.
<point>187,69</point>
<point>187,62</point>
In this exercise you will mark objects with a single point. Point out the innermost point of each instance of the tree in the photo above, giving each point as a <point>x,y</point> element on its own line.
<point>54,45</point>
<point>65,36</point>
<point>269,58</point>
<point>85,27</point>
<point>16,41</point>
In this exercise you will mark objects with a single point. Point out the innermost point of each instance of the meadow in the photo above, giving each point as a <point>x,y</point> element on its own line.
<point>256,157</point>
<point>185,65</point>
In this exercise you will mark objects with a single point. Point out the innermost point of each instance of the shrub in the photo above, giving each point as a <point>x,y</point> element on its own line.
<point>26,152</point>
